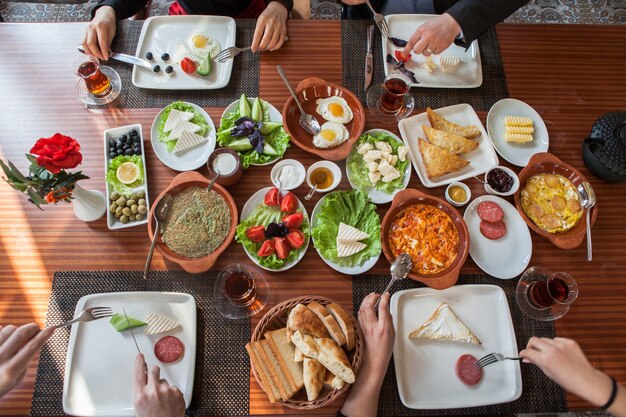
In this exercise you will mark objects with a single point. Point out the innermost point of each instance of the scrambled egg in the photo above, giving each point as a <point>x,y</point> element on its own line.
<point>551,202</point>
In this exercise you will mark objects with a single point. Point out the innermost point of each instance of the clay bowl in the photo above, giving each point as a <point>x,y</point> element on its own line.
<point>409,197</point>
<point>308,91</point>
<point>179,183</point>
<point>545,162</point>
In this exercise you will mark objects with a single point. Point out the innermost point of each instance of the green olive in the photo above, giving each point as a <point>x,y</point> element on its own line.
<point>126,211</point>
<point>114,196</point>
<point>112,208</point>
<point>131,203</point>
<point>133,197</point>
<point>141,202</point>
<point>118,211</point>
<point>134,208</point>
<point>121,201</point>
<point>124,219</point>
<point>139,216</point>
<point>142,209</point>
<point>141,194</point>
<point>132,217</point>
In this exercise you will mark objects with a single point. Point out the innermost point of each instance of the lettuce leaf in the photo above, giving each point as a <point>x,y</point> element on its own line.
<point>352,208</point>
<point>278,139</point>
<point>197,119</point>
<point>111,175</point>
<point>358,171</point>
<point>264,215</point>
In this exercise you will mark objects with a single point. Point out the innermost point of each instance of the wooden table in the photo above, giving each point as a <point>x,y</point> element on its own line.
<point>570,74</point>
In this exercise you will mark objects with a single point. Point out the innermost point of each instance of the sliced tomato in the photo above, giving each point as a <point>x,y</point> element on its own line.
<point>289,203</point>
<point>293,221</point>
<point>282,247</point>
<point>188,66</point>
<point>267,248</point>
<point>272,198</point>
<point>256,233</point>
<point>402,57</point>
<point>295,239</point>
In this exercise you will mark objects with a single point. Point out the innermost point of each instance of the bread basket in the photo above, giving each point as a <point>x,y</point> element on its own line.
<point>275,319</point>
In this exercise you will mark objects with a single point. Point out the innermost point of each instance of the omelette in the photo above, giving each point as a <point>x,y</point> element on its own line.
<point>551,202</point>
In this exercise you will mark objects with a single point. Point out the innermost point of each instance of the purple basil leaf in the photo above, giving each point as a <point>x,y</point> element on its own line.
<point>257,140</point>
<point>391,60</point>
<point>408,73</point>
<point>400,43</point>
<point>276,230</point>
<point>244,126</point>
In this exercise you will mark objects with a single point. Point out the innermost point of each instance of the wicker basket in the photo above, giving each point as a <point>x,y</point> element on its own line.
<point>275,319</point>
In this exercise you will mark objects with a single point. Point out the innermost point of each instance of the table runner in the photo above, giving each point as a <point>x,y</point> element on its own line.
<point>222,376</point>
<point>354,48</point>
<point>539,395</point>
<point>244,78</point>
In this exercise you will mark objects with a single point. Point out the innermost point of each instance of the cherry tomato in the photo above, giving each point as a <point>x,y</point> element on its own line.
<point>400,56</point>
<point>272,198</point>
<point>188,66</point>
<point>267,248</point>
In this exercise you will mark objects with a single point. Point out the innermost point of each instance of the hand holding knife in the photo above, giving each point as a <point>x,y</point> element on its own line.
<point>369,58</point>
<point>145,365</point>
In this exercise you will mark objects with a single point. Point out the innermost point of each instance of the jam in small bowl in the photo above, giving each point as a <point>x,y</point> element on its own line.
<point>501,181</point>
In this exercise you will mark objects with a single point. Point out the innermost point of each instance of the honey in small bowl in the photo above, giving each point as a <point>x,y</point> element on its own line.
<point>322,177</point>
<point>457,194</point>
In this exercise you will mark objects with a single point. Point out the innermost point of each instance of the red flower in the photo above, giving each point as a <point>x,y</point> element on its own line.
<point>57,153</point>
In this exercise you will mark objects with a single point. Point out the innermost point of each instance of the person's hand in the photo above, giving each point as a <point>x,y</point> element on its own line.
<point>18,345</point>
<point>434,36</point>
<point>563,361</point>
<point>271,28</point>
<point>154,397</point>
<point>100,33</point>
<point>377,331</point>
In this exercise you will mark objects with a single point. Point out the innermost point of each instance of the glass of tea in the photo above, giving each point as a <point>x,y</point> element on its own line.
<point>545,295</point>
<point>88,68</point>
<point>240,291</point>
<point>394,89</point>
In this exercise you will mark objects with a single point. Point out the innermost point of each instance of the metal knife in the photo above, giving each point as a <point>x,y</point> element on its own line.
<point>369,58</point>
<point>129,59</point>
<point>145,366</point>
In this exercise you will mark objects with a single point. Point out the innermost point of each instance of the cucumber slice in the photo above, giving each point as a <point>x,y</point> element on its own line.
<point>240,145</point>
<point>244,107</point>
<point>269,150</point>
<point>257,110</point>
<point>205,67</point>
<point>269,127</point>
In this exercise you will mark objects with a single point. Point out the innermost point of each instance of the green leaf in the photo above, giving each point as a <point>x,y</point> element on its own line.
<point>111,175</point>
<point>36,198</point>
<point>18,174</point>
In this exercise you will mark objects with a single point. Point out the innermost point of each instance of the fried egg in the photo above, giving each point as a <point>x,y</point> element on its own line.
<point>331,134</point>
<point>334,109</point>
<point>551,202</point>
<point>203,45</point>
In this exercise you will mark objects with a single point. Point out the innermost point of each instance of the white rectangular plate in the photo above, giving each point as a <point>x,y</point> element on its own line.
<point>113,223</point>
<point>467,74</point>
<point>425,369</point>
<point>162,33</point>
<point>481,159</point>
<point>100,361</point>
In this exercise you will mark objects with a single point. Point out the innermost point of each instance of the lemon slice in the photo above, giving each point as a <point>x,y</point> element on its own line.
<point>127,173</point>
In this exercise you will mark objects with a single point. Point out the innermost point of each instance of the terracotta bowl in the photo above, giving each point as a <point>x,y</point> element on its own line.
<point>179,183</point>
<point>308,91</point>
<point>545,162</point>
<point>409,197</point>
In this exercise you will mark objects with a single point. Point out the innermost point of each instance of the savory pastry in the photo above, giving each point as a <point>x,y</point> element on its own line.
<point>551,202</point>
<point>443,324</point>
<point>327,352</point>
<point>302,318</point>
<point>428,235</point>
<point>439,122</point>
<point>314,373</point>
<point>452,143</point>
<point>438,161</point>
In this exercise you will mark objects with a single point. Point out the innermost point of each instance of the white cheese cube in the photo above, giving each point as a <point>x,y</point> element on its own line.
<point>372,166</point>
<point>374,177</point>
<point>393,160</point>
<point>383,146</point>
<point>402,153</point>
<point>364,148</point>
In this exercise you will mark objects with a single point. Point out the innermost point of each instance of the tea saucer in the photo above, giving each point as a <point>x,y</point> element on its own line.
<point>83,94</point>
<point>374,94</point>
<point>231,311</point>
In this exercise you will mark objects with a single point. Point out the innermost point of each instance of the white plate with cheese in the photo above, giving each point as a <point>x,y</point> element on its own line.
<point>516,153</point>
<point>348,270</point>
<point>425,369</point>
<point>100,361</point>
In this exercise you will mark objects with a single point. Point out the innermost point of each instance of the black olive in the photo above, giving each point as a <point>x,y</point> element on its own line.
<point>156,68</point>
<point>149,56</point>
<point>126,147</point>
<point>165,56</point>
<point>136,139</point>
<point>123,138</point>
<point>113,154</point>
<point>133,133</point>
<point>120,151</point>
<point>169,69</point>
<point>137,151</point>
<point>128,151</point>
<point>119,145</point>
<point>112,143</point>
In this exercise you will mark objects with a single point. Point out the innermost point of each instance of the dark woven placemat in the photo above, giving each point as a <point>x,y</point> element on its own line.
<point>354,48</point>
<point>222,375</point>
<point>539,395</point>
<point>244,78</point>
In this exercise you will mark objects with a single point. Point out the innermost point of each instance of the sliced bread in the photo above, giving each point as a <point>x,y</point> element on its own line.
<point>329,321</point>
<point>280,376</point>
<point>345,323</point>
<point>298,356</point>
<point>314,373</point>
<point>303,319</point>
<point>284,352</point>
<point>332,381</point>
<point>327,352</point>
<point>259,366</point>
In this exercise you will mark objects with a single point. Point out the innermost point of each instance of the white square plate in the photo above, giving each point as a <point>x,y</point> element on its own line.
<point>467,74</point>
<point>162,33</point>
<point>425,368</point>
<point>482,159</point>
<point>100,361</point>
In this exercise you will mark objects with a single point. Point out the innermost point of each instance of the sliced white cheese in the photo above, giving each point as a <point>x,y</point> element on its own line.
<point>349,233</point>
<point>372,156</point>
<point>180,127</point>
<point>156,324</point>
<point>448,62</point>
<point>383,146</point>
<point>402,153</point>
<point>393,175</point>
<point>182,52</point>
<point>175,116</point>
<point>384,168</point>
<point>349,249</point>
<point>372,166</point>
<point>374,177</point>
<point>188,140</point>
<point>364,148</point>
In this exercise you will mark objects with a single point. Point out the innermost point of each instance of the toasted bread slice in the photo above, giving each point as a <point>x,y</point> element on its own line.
<point>443,324</point>
<point>327,352</point>
<point>302,318</point>
<point>345,323</point>
<point>439,161</point>
<point>332,381</point>
<point>452,143</point>
<point>314,373</point>
<point>439,122</point>
<point>329,321</point>
<point>284,351</point>
<point>298,356</point>
<point>264,374</point>
<point>267,357</point>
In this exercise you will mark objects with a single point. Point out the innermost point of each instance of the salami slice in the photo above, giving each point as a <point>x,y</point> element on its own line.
<point>493,231</point>
<point>169,349</point>
<point>490,212</point>
<point>467,371</point>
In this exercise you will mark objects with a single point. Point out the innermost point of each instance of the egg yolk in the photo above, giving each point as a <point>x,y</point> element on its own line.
<point>336,109</point>
<point>328,135</point>
<point>199,41</point>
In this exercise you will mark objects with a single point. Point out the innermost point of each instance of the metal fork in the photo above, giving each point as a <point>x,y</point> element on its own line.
<point>380,21</point>
<point>89,314</point>
<point>493,358</point>
<point>229,53</point>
